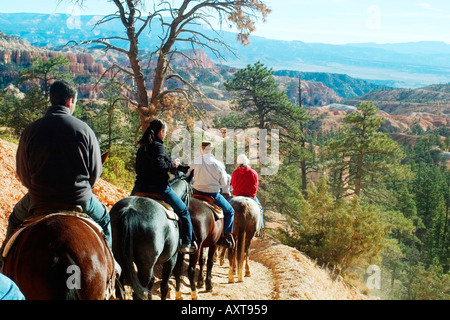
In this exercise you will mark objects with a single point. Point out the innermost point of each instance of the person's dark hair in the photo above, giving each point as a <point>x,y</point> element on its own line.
<point>152,131</point>
<point>60,92</point>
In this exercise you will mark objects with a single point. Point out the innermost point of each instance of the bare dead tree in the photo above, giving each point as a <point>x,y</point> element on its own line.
<point>239,14</point>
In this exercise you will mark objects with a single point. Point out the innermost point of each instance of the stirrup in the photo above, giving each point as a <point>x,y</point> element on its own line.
<point>192,248</point>
<point>226,241</point>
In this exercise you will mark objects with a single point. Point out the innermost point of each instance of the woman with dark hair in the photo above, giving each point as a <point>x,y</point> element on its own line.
<point>152,176</point>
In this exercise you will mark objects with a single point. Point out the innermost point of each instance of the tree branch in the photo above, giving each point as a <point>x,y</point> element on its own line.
<point>99,41</point>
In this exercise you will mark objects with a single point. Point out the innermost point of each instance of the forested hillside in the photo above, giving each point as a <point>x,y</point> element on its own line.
<point>344,85</point>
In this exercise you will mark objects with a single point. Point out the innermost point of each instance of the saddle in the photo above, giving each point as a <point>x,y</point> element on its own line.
<point>37,215</point>
<point>209,201</point>
<point>38,218</point>
<point>171,215</point>
<point>56,208</point>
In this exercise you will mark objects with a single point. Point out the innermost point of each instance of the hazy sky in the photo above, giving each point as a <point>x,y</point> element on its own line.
<point>329,21</point>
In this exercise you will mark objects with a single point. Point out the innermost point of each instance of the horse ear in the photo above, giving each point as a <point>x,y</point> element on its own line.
<point>105,156</point>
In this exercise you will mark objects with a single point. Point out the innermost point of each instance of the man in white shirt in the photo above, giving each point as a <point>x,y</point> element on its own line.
<point>210,179</point>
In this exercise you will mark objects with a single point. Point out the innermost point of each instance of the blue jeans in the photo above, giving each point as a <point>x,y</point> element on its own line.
<point>262,211</point>
<point>9,290</point>
<point>228,210</point>
<point>93,208</point>
<point>180,208</point>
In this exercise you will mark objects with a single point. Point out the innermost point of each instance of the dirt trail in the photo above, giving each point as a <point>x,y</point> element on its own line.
<point>257,287</point>
<point>278,272</point>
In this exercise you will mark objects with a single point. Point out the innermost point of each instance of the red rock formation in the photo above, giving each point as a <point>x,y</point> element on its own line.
<point>330,119</point>
<point>79,62</point>
<point>193,59</point>
<point>89,91</point>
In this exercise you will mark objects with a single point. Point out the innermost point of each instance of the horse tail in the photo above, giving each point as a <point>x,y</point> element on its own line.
<point>67,279</point>
<point>128,224</point>
<point>240,243</point>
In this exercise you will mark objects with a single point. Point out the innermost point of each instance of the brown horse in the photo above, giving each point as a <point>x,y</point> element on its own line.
<point>247,222</point>
<point>207,231</point>
<point>61,256</point>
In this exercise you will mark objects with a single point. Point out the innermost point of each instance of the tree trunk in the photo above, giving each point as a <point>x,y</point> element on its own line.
<point>161,65</point>
<point>393,277</point>
<point>158,80</point>
<point>262,122</point>
<point>303,144</point>
<point>358,174</point>
<point>444,236</point>
<point>359,162</point>
<point>133,53</point>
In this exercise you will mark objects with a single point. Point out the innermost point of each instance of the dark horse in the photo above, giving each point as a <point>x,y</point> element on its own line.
<point>207,230</point>
<point>61,256</point>
<point>247,222</point>
<point>144,236</point>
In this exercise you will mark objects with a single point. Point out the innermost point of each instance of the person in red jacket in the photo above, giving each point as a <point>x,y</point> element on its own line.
<point>244,182</point>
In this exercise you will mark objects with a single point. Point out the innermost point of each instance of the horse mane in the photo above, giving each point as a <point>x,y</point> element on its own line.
<point>190,177</point>
<point>178,175</point>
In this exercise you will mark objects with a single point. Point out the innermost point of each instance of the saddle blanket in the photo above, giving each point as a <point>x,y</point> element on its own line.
<point>217,211</point>
<point>157,197</point>
<point>209,201</point>
<point>171,215</point>
<point>36,219</point>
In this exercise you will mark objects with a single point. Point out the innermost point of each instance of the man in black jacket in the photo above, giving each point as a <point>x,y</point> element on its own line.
<point>59,161</point>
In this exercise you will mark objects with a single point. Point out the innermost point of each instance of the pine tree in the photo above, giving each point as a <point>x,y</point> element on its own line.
<point>430,188</point>
<point>361,159</point>
<point>46,71</point>
<point>257,94</point>
<point>341,233</point>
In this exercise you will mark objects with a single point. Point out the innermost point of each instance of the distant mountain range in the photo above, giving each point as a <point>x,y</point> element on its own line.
<point>345,86</point>
<point>87,66</point>
<point>408,65</point>
<point>327,96</point>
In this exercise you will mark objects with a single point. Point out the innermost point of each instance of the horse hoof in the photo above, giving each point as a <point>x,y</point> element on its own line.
<point>178,296</point>
<point>194,295</point>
